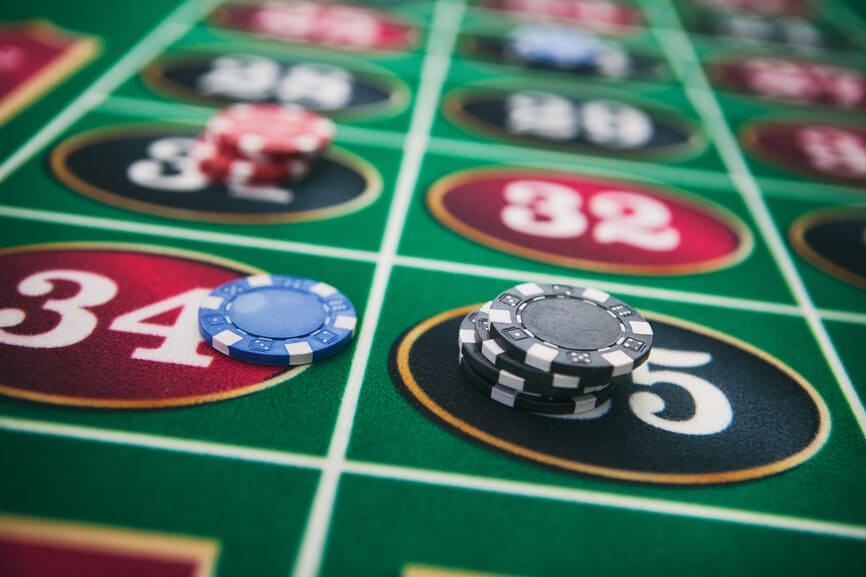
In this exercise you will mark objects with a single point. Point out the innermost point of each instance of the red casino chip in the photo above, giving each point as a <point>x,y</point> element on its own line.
<point>268,132</point>
<point>223,168</point>
<point>830,152</point>
<point>792,80</point>
<point>605,16</point>
<point>588,223</point>
<point>229,169</point>
<point>324,24</point>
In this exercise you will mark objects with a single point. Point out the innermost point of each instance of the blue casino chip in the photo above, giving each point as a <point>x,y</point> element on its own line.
<point>277,320</point>
<point>553,46</point>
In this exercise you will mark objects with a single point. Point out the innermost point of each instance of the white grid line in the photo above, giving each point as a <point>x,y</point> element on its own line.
<point>520,489</point>
<point>434,70</point>
<point>165,231</point>
<point>162,443</point>
<point>677,43</point>
<point>420,263</point>
<point>166,31</point>
<point>635,289</point>
<point>611,500</point>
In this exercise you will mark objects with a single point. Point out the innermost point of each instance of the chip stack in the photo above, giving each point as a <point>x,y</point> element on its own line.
<point>552,349</point>
<point>261,144</point>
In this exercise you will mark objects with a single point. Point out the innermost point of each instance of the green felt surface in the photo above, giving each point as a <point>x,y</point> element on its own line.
<point>334,472</point>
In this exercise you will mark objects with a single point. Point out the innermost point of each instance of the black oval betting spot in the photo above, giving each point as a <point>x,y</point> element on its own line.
<point>99,165</point>
<point>491,112</point>
<point>185,76</point>
<point>777,421</point>
<point>842,242</point>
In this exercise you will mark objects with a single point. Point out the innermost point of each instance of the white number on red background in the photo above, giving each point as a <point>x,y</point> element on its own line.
<point>76,322</point>
<point>834,151</point>
<point>552,210</point>
<point>787,79</point>
<point>180,340</point>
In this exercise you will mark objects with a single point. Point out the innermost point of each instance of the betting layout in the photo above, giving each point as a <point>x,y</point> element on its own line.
<point>269,161</point>
<point>586,143</point>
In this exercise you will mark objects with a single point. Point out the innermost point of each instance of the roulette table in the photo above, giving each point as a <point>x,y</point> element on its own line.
<point>703,160</point>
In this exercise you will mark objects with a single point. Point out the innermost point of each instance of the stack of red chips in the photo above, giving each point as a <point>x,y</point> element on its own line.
<point>259,144</point>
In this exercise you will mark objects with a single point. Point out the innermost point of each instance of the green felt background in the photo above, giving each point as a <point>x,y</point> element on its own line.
<point>410,491</point>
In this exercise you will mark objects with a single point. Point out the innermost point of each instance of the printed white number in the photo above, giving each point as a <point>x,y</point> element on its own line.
<point>258,79</point>
<point>615,125</point>
<point>614,63</point>
<point>76,322</point>
<point>168,167</point>
<point>552,210</point>
<point>241,77</point>
<point>180,339</point>
<point>834,150</point>
<point>713,413</point>
<point>782,79</point>
<point>318,86</point>
<point>349,26</point>
<point>332,24</point>
<point>755,29</point>
<point>543,209</point>
<point>604,123</point>
<point>543,114</point>
<point>747,28</point>
<point>260,193</point>
<point>633,219</point>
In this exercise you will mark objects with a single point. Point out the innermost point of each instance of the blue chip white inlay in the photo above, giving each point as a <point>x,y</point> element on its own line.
<point>554,46</point>
<point>277,320</point>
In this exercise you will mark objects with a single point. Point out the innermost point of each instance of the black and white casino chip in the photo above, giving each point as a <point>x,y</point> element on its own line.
<point>490,360</point>
<point>577,405</point>
<point>572,330</point>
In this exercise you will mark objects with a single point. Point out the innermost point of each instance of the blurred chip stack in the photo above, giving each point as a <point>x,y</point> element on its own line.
<point>261,144</point>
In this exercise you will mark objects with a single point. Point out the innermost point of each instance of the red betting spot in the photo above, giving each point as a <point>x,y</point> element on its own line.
<point>828,152</point>
<point>333,25</point>
<point>24,559</point>
<point>33,57</point>
<point>793,80</point>
<point>113,327</point>
<point>31,547</point>
<point>605,16</point>
<point>588,223</point>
